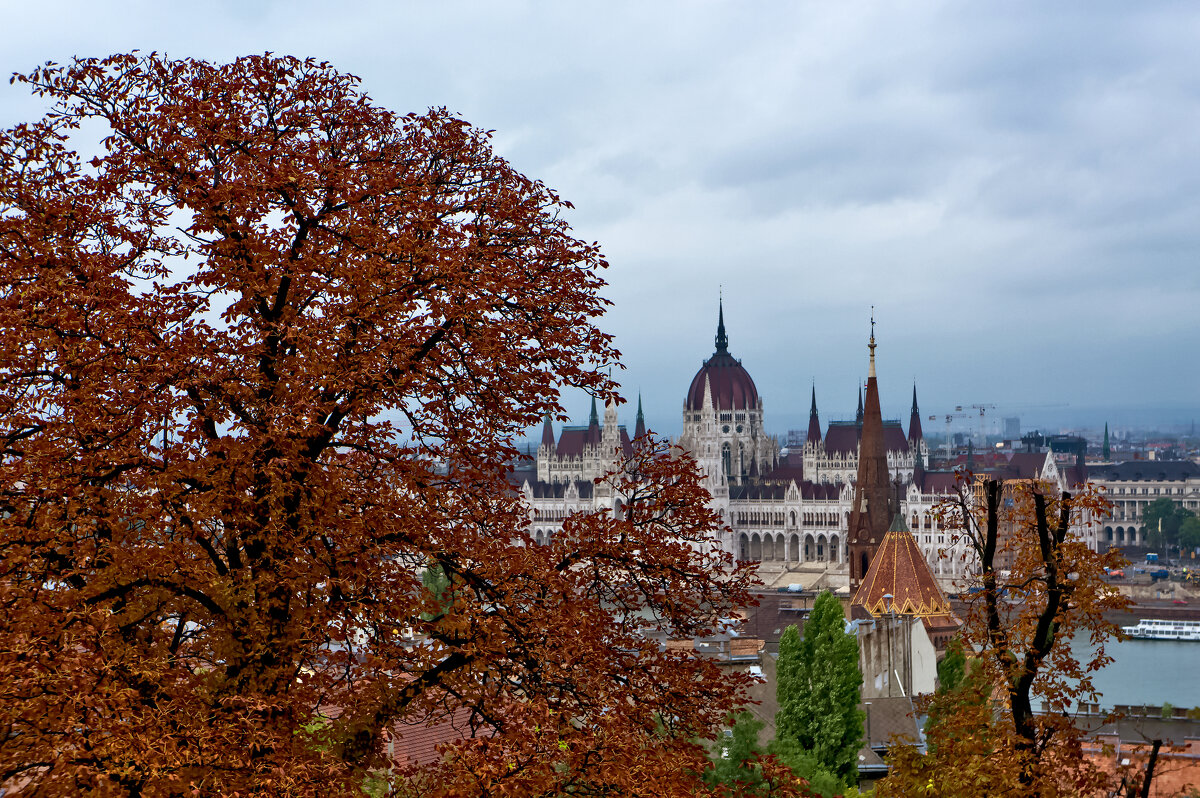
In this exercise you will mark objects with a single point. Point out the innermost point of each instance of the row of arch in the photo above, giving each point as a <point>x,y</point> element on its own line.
<point>752,547</point>
<point>1128,535</point>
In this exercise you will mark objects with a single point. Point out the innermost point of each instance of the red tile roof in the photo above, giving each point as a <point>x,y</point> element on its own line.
<point>415,744</point>
<point>842,437</point>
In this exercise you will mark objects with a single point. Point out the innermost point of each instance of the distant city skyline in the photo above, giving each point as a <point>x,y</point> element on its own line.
<point>1013,187</point>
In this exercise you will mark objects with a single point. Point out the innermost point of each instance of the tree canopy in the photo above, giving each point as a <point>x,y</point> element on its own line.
<point>817,685</point>
<point>984,736</point>
<point>265,359</point>
<point>1162,520</point>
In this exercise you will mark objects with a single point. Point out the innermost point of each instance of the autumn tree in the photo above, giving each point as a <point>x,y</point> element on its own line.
<point>987,736</point>
<point>817,685</point>
<point>264,359</point>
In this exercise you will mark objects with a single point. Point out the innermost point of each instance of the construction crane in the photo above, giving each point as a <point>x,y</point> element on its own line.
<point>982,409</point>
<point>949,418</point>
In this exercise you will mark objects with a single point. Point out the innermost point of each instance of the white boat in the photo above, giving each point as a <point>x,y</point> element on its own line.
<point>1153,629</point>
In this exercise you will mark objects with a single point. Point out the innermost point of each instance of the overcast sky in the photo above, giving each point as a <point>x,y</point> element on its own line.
<point>1015,187</point>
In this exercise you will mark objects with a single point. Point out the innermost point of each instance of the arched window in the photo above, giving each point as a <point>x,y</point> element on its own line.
<point>725,458</point>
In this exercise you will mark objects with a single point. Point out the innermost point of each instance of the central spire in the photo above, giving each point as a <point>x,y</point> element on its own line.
<point>722,339</point>
<point>871,345</point>
<point>872,511</point>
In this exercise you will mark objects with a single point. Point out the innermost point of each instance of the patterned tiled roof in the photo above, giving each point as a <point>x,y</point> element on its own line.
<point>898,568</point>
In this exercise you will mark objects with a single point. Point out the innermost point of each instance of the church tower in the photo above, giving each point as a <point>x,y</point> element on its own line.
<point>873,508</point>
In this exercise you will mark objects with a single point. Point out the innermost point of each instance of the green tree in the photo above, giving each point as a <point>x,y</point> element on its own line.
<point>952,668</point>
<point>807,766</point>
<point>741,768</point>
<point>818,690</point>
<point>735,755</point>
<point>1189,533</point>
<point>1162,519</point>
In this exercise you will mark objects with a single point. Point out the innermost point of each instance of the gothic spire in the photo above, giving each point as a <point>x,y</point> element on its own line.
<point>1106,452</point>
<point>594,421</point>
<point>814,422</point>
<point>914,420</point>
<point>722,339</point>
<point>858,417</point>
<point>547,433</point>
<point>640,429</point>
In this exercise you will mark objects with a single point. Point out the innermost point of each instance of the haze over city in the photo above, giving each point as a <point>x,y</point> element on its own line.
<point>1014,188</point>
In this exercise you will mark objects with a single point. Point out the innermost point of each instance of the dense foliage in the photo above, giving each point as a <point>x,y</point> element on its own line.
<point>1163,521</point>
<point>818,683</point>
<point>265,358</point>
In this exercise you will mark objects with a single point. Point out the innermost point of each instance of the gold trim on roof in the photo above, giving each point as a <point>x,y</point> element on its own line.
<point>900,569</point>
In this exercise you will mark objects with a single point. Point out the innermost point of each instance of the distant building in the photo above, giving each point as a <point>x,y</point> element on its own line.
<point>787,507</point>
<point>1012,428</point>
<point>1130,486</point>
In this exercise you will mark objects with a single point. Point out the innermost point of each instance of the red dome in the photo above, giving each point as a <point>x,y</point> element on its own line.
<point>732,388</point>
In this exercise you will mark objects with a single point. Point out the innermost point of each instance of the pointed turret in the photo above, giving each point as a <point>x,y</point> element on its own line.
<point>872,511</point>
<point>722,339</point>
<point>858,416</point>
<point>899,580</point>
<point>593,433</point>
<point>1106,452</point>
<point>548,433</point>
<point>814,422</point>
<point>914,420</point>
<point>640,429</point>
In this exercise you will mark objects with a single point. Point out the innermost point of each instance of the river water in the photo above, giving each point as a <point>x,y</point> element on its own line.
<point>1149,672</point>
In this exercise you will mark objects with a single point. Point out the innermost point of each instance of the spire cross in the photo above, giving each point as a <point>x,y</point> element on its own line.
<point>871,345</point>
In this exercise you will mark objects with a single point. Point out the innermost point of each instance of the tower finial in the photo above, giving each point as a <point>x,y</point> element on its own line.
<point>871,345</point>
<point>722,339</point>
